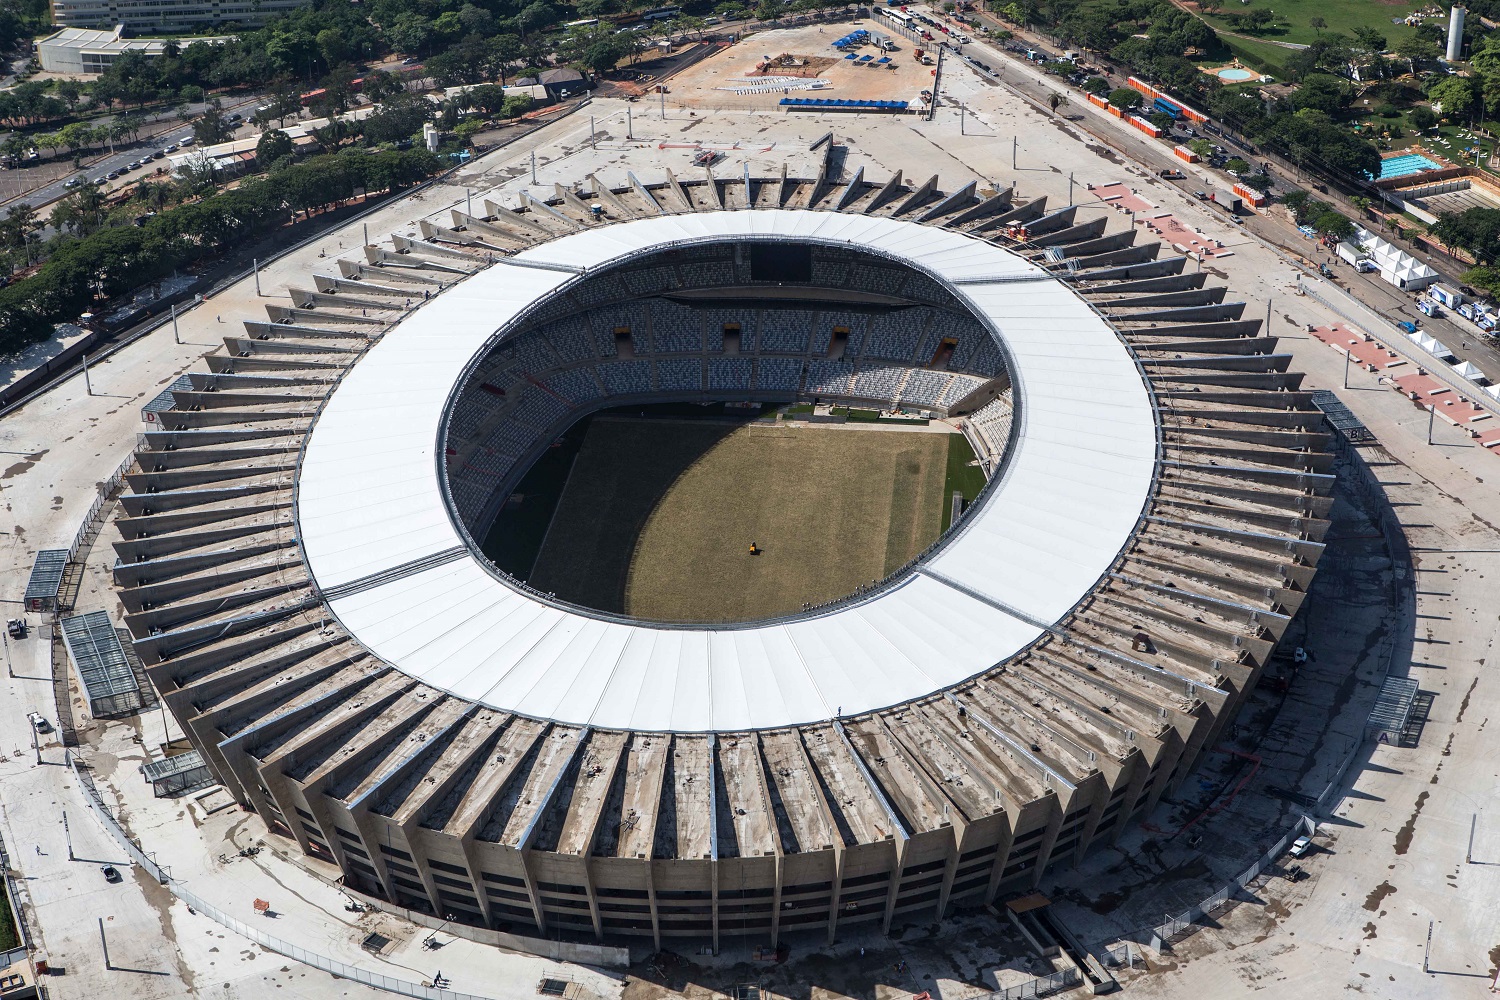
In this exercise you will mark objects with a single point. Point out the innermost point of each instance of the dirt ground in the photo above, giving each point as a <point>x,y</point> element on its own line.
<point>712,83</point>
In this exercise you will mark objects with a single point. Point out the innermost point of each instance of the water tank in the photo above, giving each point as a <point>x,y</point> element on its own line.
<point>1455,33</point>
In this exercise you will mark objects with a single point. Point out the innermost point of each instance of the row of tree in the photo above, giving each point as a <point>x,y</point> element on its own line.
<point>110,261</point>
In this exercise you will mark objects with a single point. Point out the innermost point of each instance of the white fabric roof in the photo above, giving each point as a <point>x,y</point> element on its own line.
<point>369,501</point>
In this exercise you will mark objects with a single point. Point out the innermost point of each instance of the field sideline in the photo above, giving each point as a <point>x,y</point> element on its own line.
<point>658,515</point>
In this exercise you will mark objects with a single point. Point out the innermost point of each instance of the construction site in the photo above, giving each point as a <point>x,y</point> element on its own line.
<point>760,70</point>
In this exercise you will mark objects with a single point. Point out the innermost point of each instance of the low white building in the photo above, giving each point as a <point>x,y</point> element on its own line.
<point>167,15</point>
<point>82,50</point>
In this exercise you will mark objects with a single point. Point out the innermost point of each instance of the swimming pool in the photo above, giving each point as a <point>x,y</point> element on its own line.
<point>1406,163</point>
<point>1233,74</point>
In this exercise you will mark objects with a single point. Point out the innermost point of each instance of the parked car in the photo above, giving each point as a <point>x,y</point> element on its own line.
<point>1300,846</point>
<point>112,874</point>
<point>113,174</point>
<point>38,722</point>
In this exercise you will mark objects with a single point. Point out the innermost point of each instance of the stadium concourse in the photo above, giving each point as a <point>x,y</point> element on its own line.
<point>302,583</point>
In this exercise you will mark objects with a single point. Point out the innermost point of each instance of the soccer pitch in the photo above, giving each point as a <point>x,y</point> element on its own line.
<point>658,515</point>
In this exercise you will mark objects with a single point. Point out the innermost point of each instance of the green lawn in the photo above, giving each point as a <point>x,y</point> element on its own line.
<point>1292,17</point>
<point>961,476</point>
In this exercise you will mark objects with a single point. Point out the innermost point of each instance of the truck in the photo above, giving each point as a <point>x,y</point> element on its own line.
<point>1446,296</point>
<point>1229,200</point>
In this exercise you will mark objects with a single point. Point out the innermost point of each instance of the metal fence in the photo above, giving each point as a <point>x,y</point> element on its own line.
<point>1158,936</point>
<point>106,496</point>
<point>1063,979</point>
<point>341,970</point>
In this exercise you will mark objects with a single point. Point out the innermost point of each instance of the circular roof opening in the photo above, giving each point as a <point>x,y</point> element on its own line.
<point>383,520</point>
<point>733,432</point>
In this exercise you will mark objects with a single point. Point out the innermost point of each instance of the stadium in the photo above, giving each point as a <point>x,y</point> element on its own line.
<point>910,704</point>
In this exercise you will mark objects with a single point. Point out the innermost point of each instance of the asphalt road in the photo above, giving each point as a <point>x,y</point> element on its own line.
<point>43,183</point>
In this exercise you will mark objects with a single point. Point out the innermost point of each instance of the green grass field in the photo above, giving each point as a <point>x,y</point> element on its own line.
<point>658,515</point>
<point>1293,18</point>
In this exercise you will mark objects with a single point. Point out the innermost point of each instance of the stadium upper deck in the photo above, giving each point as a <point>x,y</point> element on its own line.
<point>1048,728</point>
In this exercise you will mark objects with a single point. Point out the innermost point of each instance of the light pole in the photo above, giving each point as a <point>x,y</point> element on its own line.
<point>176,337</point>
<point>255,268</point>
<point>1347,354</point>
<point>68,837</point>
<point>89,386</point>
<point>1469,854</point>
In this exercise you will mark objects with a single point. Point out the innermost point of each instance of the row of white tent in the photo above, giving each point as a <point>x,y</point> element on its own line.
<point>1442,352</point>
<point>1395,265</point>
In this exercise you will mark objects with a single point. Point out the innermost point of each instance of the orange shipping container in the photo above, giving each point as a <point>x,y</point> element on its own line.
<point>1095,99</point>
<point>1186,154</point>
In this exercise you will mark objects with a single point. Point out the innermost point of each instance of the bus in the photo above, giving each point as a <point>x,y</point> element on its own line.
<point>897,17</point>
<point>587,22</point>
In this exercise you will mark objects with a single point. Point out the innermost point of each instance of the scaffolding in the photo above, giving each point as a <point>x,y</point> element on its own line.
<point>109,681</point>
<point>184,772</point>
<point>45,582</point>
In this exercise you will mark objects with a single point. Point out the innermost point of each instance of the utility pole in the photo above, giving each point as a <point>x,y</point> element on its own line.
<point>1014,142</point>
<point>367,234</point>
<point>255,266</point>
<point>593,139</point>
<point>663,92</point>
<point>1469,854</point>
<point>68,837</point>
<point>105,943</point>
<point>1431,416</point>
<point>1347,354</point>
<point>468,203</point>
<point>1268,316</point>
<point>961,121</point>
<point>629,126</point>
<point>89,386</point>
<point>1427,951</point>
<point>1070,192</point>
<point>533,166</point>
<point>176,337</point>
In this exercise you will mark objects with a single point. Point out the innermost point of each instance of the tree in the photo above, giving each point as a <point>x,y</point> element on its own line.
<point>602,55</point>
<point>1331,224</point>
<point>1096,85</point>
<point>1124,98</point>
<point>1476,230</point>
<point>410,33</point>
<point>1452,96</point>
<point>534,17</point>
<point>333,46</point>
<point>1237,166</point>
<point>1056,100</point>
<point>1258,21</point>
<point>1317,24</point>
<point>1202,147</point>
<point>212,128</point>
<point>1416,48</point>
<point>1422,118</point>
<point>1326,93</point>
<point>273,147</point>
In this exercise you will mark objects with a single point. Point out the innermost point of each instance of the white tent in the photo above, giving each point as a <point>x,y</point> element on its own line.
<point>1470,371</point>
<point>1396,265</point>
<point>1431,345</point>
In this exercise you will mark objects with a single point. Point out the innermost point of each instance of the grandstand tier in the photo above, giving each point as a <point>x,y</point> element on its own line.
<point>456,744</point>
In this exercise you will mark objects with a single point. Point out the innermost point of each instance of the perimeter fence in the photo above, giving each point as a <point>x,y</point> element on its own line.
<point>1044,986</point>
<point>1158,936</point>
